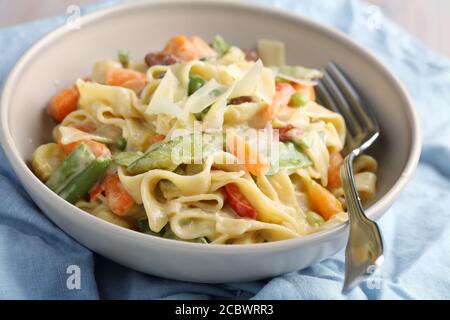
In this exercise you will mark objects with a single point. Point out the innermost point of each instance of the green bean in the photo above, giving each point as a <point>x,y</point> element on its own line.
<point>82,183</point>
<point>75,163</point>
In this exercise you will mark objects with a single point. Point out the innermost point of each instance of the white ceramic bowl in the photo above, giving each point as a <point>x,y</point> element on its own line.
<point>64,55</point>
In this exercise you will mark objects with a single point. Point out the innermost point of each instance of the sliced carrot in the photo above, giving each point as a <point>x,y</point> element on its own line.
<point>157,138</point>
<point>307,90</point>
<point>323,201</point>
<point>135,85</point>
<point>96,190</point>
<point>117,198</point>
<point>99,149</point>
<point>282,96</point>
<point>334,177</point>
<point>188,48</point>
<point>120,76</point>
<point>63,103</point>
<point>252,160</point>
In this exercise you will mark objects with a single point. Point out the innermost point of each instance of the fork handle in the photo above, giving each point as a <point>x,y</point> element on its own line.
<point>354,206</point>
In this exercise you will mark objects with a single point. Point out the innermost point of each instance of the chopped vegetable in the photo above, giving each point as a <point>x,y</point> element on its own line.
<point>314,219</point>
<point>289,133</point>
<point>99,149</point>
<point>121,143</point>
<point>82,183</point>
<point>298,99</point>
<point>124,57</point>
<point>290,157</point>
<point>283,94</point>
<point>96,190</point>
<point>64,103</point>
<point>323,201</point>
<point>238,202</point>
<point>220,45</point>
<point>120,76</point>
<point>334,176</point>
<point>169,154</point>
<point>160,58</point>
<point>158,158</point>
<point>306,90</point>
<point>73,165</point>
<point>157,138</point>
<point>126,158</point>
<point>252,160</point>
<point>117,198</point>
<point>188,48</point>
<point>195,83</point>
<point>240,100</point>
<point>46,159</point>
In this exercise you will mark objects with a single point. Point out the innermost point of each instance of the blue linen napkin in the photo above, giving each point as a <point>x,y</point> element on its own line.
<point>35,254</point>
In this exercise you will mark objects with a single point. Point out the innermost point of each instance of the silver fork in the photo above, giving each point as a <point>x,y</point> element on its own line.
<point>364,251</point>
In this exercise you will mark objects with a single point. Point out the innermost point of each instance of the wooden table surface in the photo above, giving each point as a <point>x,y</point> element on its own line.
<point>428,20</point>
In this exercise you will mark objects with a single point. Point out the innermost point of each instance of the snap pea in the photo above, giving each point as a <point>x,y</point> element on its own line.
<point>75,163</point>
<point>220,45</point>
<point>195,83</point>
<point>124,57</point>
<point>126,158</point>
<point>170,154</point>
<point>314,219</point>
<point>82,183</point>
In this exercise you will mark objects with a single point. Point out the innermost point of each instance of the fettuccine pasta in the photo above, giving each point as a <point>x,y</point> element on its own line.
<point>204,143</point>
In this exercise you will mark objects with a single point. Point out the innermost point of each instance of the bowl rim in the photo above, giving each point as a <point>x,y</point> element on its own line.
<point>374,211</point>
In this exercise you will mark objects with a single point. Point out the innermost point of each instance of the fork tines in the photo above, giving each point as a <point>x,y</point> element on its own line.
<point>336,92</point>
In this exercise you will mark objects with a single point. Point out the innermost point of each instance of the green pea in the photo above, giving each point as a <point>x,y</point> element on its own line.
<point>195,83</point>
<point>314,219</point>
<point>298,99</point>
<point>121,143</point>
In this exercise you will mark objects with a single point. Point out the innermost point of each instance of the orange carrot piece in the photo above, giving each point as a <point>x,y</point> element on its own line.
<point>157,138</point>
<point>99,149</point>
<point>119,76</point>
<point>63,103</point>
<point>323,201</point>
<point>117,198</point>
<point>188,48</point>
<point>283,94</point>
<point>252,160</point>
<point>307,90</point>
<point>96,190</point>
<point>334,177</point>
